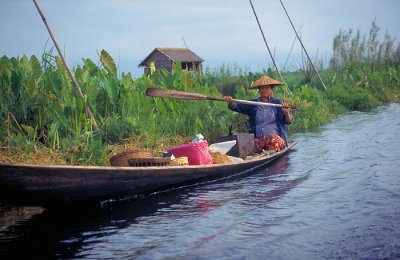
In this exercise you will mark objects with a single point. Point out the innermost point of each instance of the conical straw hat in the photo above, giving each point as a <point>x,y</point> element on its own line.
<point>265,81</point>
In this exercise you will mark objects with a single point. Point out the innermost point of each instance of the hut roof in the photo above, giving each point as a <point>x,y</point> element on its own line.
<point>174,54</point>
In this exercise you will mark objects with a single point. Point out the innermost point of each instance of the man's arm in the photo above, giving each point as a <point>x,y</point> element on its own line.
<point>286,113</point>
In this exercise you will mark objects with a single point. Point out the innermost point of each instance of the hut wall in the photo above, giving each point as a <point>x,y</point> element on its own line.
<point>164,64</point>
<point>160,61</point>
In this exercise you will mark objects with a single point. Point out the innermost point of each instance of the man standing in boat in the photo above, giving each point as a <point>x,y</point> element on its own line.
<point>267,123</point>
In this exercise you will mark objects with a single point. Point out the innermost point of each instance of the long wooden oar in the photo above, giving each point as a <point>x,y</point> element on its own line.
<point>168,93</point>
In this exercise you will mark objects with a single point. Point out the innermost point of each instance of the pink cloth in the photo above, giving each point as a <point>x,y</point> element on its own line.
<point>197,153</point>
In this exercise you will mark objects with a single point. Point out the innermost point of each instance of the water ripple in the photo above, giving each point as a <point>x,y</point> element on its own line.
<point>336,196</point>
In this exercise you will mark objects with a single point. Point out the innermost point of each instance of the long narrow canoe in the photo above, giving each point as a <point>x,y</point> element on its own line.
<point>46,185</point>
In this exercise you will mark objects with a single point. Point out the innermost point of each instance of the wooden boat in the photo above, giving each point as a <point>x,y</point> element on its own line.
<point>47,185</point>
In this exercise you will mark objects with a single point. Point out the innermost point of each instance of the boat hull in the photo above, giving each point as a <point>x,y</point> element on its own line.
<point>44,184</point>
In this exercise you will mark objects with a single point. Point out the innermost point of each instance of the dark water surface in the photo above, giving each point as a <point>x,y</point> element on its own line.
<point>336,196</point>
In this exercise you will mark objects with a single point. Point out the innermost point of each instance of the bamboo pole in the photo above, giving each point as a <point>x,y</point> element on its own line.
<point>78,90</point>
<point>302,45</point>
<point>265,41</point>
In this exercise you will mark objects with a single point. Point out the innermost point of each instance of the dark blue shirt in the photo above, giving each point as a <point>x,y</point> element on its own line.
<point>257,115</point>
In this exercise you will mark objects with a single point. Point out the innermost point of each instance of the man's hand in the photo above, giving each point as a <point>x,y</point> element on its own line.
<point>229,100</point>
<point>285,107</point>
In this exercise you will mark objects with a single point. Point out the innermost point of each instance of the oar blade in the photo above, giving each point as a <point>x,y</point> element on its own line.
<point>168,93</point>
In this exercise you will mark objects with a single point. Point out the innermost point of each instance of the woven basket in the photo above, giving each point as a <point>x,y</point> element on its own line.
<point>121,159</point>
<point>181,161</point>
<point>149,162</point>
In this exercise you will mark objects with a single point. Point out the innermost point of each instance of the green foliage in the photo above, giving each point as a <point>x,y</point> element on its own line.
<point>83,152</point>
<point>108,62</point>
<point>39,106</point>
<point>353,98</point>
<point>117,128</point>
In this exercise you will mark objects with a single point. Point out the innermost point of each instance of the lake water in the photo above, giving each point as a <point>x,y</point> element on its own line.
<point>336,196</point>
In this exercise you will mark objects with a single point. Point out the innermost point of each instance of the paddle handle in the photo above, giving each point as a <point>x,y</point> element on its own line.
<point>247,102</point>
<point>169,93</point>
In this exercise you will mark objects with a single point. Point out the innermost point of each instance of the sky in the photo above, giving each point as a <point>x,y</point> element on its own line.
<point>220,32</point>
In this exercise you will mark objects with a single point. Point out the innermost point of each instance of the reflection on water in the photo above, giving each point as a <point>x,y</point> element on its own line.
<point>13,217</point>
<point>336,196</point>
<point>10,216</point>
<point>14,224</point>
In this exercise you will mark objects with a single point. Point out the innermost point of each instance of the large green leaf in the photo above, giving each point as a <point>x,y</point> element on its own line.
<point>31,87</point>
<point>92,90</point>
<point>25,63</point>
<point>35,64</point>
<point>93,69</point>
<point>61,68</point>
<point>5,70</point>
<point>82,75</point>
<point>57,84</point>
<point>5,62</point>
<point>112,89</point>
<point>108,62</point>
<point>79,105</point>
<point>15,83</point>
